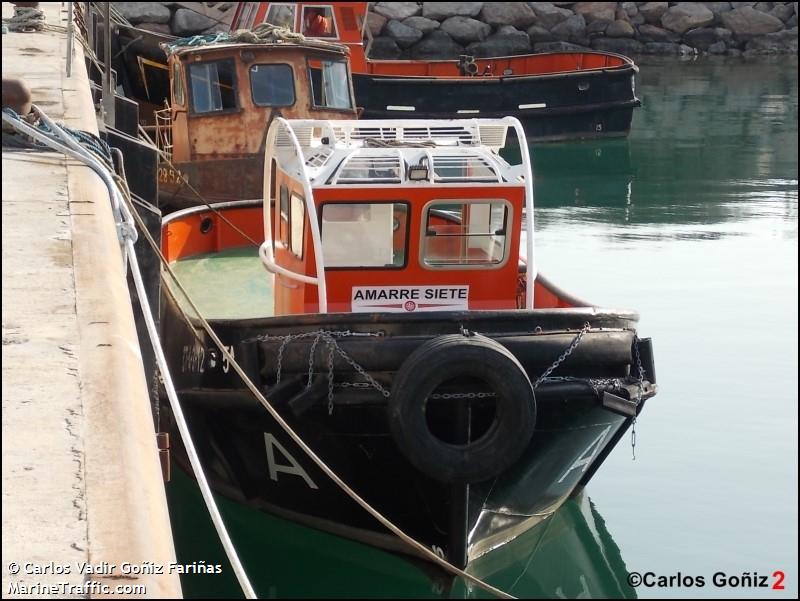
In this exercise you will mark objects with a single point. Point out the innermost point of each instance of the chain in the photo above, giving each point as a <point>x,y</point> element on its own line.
<point>329,338</point>
<point>330,379</point>
<point>639,399</point>
<point>564,355</point>
<point>463,395</point>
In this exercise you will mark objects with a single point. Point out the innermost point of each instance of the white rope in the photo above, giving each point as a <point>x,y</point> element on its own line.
<point>85,157</point>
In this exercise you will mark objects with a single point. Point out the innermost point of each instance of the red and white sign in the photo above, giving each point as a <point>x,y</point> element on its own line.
<point>409,299</point>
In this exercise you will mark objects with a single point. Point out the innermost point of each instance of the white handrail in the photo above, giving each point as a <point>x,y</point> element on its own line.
<point>265,251</point>
<point>530,259</point>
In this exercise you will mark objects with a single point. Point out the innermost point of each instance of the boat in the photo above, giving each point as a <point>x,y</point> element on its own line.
<point>224,93</point>
<point>556,95</point>
<point>402,330</point>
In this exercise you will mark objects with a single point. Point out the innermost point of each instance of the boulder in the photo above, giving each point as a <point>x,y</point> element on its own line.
<point>619,45</point>
<point>404,35</point>
<point>595,10</point>
<point>397,11</point>
<point>422,24</point>
<point>685,50</point>
<point>651,33</point>
<point>637,19</point>
<point>701,37</point>
<point>548,15</point>
<point>620,29</point>
<point>444,10</point>
<point>375,23</point>
<point>572,30</point>
<point>597,27</point>
<point>779,42</point>
<point>621,15</point>
<point>717,48</point>
<point>384,47</point>
<point>792,22</point>
<point>653,11</point>
<point>764,7</point>
<point>539,34</point>
<point>747,22</point>
<point>143,12</point>
<point>517,14</point>
<point>503,43</point>
<point>685,16</point>
<point>436,45</point>
<point>188,22</point>
<point>784,12</point>
<point>465,30</point>
<point>630,8</point>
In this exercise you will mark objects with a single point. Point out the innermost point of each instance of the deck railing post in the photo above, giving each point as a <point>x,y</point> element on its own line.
<point>70,37</point>
<point>108,80</point>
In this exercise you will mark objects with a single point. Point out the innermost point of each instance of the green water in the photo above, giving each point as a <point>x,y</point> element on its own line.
<point>692,221</point>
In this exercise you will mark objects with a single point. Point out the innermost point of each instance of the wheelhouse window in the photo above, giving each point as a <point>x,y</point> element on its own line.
<point>297,223</point>
<point>213,86</point>
<point>272,85</point>
<point>248,15</point>
<point>330,84</point>
<point>281,15</point>
<point>465,233</point>
<point>318,22</point>
<point>283,227</point>
<point>370,234</point>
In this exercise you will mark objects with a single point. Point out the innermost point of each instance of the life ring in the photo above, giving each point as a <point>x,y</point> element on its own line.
<point>444,359</point>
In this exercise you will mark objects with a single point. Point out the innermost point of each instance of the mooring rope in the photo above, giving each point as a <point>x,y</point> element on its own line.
<point>265,33</point>
<point>126,213</point>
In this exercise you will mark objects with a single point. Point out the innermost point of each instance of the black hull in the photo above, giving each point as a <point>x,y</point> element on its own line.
<point>250,459</point>
<point>574,105</point>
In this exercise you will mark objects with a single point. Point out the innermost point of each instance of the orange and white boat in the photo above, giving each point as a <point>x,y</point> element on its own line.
<point>402,328</point>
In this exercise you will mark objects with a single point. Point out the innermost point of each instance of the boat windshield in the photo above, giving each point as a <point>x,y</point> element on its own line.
<point>213,86</point>
<point>272,85</point>
<point>330,84</point>
<point>357,235</point>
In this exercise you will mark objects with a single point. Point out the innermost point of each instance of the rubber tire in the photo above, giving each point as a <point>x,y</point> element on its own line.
<point>445,358</point>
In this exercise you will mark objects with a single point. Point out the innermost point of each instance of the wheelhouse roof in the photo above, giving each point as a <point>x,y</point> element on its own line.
<point>385,152</point>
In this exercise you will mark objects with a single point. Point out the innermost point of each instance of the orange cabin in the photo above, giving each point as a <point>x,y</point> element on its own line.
<point>406,216</point>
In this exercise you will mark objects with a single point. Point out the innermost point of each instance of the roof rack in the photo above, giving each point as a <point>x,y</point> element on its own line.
<point>489,133</point>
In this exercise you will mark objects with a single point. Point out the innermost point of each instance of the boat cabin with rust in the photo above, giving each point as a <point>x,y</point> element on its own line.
<point>223,97</point>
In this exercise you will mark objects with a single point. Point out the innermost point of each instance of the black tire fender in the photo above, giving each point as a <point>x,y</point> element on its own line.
<point>445,358</point>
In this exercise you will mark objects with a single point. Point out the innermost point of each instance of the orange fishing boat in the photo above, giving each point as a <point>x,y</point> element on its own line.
<point>403,330</point>
<point>556,95</point>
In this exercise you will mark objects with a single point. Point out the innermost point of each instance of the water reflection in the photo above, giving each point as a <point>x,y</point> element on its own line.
<point>713,147</point>
<point>569,555</point>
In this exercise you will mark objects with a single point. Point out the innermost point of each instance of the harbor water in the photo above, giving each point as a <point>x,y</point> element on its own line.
<point>692,221</point>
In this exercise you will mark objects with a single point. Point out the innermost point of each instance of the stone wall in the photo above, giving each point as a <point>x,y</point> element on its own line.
<point>434,30</point>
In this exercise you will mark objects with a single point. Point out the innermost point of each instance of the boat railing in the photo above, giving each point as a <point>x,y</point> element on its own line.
<point>164,131</point>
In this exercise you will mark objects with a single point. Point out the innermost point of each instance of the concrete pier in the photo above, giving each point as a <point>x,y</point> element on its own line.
<point>81,478</point>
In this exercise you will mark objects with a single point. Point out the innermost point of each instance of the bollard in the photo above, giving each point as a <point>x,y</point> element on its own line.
<point>16,95</point>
